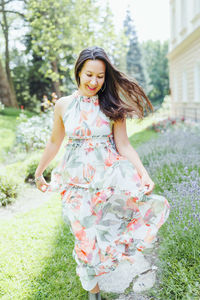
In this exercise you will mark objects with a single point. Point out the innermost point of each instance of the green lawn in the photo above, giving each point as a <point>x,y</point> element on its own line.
<point>36,256</point>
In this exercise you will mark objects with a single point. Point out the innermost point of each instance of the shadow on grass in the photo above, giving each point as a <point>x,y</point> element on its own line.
<point>58,279</point>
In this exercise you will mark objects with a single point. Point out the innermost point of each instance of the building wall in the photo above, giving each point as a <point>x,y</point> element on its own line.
<point>184,58</point>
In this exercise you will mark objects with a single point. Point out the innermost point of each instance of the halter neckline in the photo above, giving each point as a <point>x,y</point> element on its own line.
<point>86,98</point>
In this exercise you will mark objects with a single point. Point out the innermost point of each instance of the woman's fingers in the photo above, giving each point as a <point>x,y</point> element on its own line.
<point>150,189</point>
<point>42,185</point>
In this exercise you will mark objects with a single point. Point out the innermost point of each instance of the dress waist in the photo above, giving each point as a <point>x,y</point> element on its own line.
<point>91,139</point>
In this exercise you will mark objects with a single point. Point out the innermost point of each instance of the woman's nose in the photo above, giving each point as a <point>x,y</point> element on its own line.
<point>93,81</point>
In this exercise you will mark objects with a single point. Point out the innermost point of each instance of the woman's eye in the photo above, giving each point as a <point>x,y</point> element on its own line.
<point>89,75</point>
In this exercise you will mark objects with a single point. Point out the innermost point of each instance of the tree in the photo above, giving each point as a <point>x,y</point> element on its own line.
<point>59,29</point>
<point>5,23</point>
<point>5,91</point>
<point>156,68</point>
<point>133,57</point>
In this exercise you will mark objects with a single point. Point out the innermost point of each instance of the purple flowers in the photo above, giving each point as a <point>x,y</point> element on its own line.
<point>173,161</point>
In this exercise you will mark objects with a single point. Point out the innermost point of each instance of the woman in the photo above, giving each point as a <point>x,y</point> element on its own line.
<point>105,189</point>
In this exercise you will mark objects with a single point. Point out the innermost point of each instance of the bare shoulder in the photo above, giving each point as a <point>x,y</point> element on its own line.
<point>62,104</point>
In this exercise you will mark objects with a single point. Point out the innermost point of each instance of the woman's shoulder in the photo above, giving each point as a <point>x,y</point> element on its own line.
<point>63,100</point>
<point>62,103</point>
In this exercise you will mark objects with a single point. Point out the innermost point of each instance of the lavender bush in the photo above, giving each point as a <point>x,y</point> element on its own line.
<point>173,161</point>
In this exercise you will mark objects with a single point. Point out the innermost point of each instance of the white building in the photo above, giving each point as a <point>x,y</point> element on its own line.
<point>184,58</point>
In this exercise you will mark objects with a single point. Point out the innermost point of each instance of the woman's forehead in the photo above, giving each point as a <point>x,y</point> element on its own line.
<point>96,66</point>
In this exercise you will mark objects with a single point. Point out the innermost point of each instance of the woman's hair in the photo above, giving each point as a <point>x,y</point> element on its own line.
<point>120,96</point>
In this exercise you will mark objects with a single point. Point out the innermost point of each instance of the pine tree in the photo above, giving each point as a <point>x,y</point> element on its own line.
<point>133,57</point>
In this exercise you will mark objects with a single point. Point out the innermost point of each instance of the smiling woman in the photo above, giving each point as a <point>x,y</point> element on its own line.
<point>105,189</point>
<point>92,77</point>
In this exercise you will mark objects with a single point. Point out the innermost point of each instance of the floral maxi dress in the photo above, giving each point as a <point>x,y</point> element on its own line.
<point>110,218</point>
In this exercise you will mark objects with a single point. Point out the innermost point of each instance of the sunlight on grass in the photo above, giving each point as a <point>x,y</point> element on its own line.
<point>40,245</point>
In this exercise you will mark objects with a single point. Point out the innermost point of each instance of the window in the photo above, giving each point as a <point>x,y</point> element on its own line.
<point>184,86</point>
<point>197,82</point>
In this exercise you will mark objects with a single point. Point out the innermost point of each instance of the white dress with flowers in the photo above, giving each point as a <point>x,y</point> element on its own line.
<point>109,217</point>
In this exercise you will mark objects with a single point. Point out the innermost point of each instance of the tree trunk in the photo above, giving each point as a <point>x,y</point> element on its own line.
<point>56,84</point>
<point>5,29</point>
<point>5,92</point>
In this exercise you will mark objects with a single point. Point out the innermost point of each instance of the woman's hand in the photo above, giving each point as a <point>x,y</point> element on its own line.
<point>146,182</point>
<point>41,183</point>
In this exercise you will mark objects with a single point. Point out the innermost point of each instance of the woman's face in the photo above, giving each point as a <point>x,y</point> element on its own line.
<point>92,76</point>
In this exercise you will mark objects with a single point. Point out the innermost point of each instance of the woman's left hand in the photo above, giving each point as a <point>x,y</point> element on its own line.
<point>146,182</point>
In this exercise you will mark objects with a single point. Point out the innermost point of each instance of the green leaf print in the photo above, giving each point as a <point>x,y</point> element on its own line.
<point>88,221</point>
<point>99,154</point>
<point>106,208</point>
<point>102,234</point>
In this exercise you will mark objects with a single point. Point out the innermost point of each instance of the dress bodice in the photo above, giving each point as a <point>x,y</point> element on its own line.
<point>84,119</point>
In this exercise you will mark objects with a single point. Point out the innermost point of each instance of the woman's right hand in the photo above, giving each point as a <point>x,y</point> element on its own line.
<point>41,184</point>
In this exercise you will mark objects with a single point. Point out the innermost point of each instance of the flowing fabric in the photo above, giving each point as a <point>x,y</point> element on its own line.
<point>110,218</point>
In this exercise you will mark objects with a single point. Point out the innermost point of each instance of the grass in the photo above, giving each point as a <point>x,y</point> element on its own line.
<point>41,246</point>
<point>8,122</point>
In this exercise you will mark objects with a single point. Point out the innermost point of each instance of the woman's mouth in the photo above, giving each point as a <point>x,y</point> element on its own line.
<point>91,89</point>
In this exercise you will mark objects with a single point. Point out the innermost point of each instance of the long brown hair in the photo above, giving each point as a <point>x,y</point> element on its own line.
<point>120,96</point>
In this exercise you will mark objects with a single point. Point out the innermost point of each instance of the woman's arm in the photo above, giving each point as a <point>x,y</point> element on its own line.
<point>125,149</point>
<point>54,143</point>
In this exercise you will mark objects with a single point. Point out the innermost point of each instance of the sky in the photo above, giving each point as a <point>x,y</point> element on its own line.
<point>151,17</point>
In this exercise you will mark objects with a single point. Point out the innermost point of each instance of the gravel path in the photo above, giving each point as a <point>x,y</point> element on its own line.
<point>29,198</point>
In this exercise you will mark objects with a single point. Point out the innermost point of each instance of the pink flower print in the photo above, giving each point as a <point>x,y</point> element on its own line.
<point>131,204</point>
<point>88,172</point>
<point>81,253</point>
<point>149,237</point>
<point>78,230</point>
<point>148,215</point>
<point>110,159</point>
<point>90,148</point>
<point>99,216</point>
<point>81,132</point>
<point>87,246</point>
<point>74,180</point>
<point>135,224</point>
<point>99,197</point>
<point>100,122</point>
<point>68,199</point>
<point>84,115</point>
<point>102,257</point>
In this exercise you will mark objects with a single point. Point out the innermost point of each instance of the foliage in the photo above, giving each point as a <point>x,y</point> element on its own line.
<point>156,69</point>
<point>33,133</point>
<point>9,188</point>
<point>133,58</point>
<point>165,124</point>
<point>173,161</point>
<point>1,106</point>
<point>30,169</point>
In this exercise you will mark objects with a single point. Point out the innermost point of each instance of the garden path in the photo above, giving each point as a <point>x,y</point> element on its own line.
<point>29,198</point>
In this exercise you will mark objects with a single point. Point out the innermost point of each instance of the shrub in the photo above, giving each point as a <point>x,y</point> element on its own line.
<point>33,133</point>
<point>165,124</point>
<point>9,188</point>
<point>31,167</point>
<point>1,106</point>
